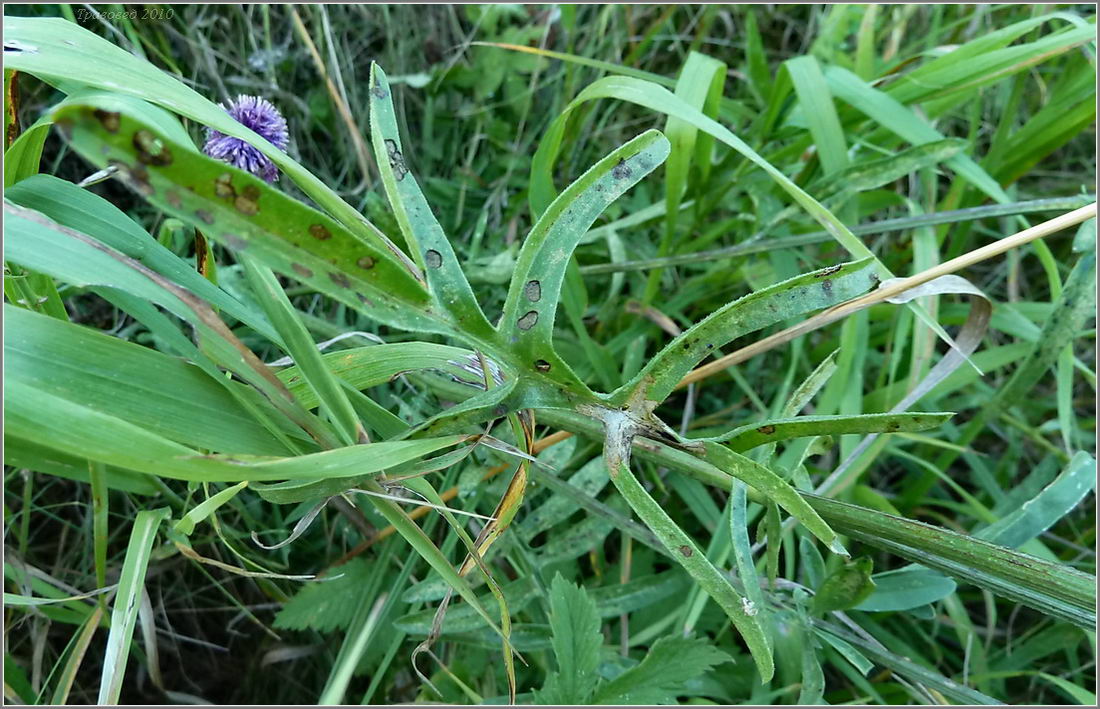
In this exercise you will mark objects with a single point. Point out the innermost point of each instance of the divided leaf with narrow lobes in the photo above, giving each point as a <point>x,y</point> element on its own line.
<point>261,116</point>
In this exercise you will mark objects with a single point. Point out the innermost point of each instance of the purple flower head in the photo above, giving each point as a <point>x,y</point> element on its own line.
<point>259,115</point>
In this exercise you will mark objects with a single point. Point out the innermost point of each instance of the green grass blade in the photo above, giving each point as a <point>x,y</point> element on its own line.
<point>70,57</point>
<point>78,430</point>
<point>131,584</point>
<point>752,435</point>
<point>819,112</point>
<point>536,286</point>
<point>423,234</point>
<point>300,346</point>
<point>788,299</point>
<point>83,364</point>
<point>79,209</point>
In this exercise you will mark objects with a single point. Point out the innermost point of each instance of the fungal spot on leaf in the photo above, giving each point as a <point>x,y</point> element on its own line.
<point>500,410</point>
<point>827,285</point>
<point>223,186</point>
<point>397,161</point>
<point>433,258</point>
<point>247,201</point>
<point>204,216</point>
<point>686,550</point>
<point>893,425</point>
<point>828,271</point>
<point>542,365</point>
<point>139,179</point>
<point>301,270</point>
<point>14,46</point>
<point>235,242</point>
<point>150,149</point>
<point>109,119</point>
<point>767,430</point>
<point>533,291</point>
<point>173,198</point>
<point>621,171</point>
<point>379,92</point>
<point>365,300</point>
<point>339,279</point>
<point>528,320</point>
<point>319,232</point>
<point>365,262</point>
<point>710,345</point>
<point>687,346</point>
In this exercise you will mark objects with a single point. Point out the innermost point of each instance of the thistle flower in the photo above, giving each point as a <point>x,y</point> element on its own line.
<point>262,117</point>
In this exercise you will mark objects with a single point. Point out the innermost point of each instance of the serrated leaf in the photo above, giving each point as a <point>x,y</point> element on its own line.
<point>670,663</point>
<point>327,604</point>
<point>575,628</point>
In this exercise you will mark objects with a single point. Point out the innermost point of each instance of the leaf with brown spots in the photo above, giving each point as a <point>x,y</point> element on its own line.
<point>243,213</point>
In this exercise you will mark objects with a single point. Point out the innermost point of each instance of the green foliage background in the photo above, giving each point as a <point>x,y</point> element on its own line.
<point>879,112</point>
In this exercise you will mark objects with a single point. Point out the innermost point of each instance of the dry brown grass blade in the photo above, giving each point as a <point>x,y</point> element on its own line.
<point>361,151</point>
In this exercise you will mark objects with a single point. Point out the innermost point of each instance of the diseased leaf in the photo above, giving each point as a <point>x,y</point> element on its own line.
<point>535,290</point>
<point>425,238</point>
<point>243,213</point>
<point>793,297</point>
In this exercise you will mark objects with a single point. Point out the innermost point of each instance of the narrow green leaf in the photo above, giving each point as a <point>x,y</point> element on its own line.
<point>299,345</point>
<point>90,214</point>
<point>425,238</point>
<point>790,298</point>
<point>535,290</point>
<point>207,507</point>
<point>78,430</point>
<point>749,436</point>
<point>131,585</point>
